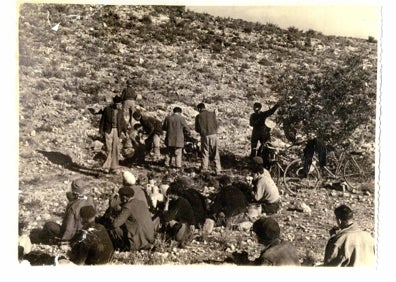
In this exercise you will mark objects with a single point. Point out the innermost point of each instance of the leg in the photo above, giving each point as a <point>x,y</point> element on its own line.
<point>168,157</point>
<point>205,153</point>
<point>157,147</point>
<point>215,148</point>
<point>109,146</point>
<point>253,143</point>
<point>178,157</point>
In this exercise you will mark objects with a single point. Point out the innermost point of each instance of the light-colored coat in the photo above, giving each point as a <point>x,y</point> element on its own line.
<point>350,247</point>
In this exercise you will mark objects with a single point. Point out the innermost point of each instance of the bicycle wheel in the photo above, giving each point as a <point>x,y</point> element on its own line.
<point>354,173</point>
<point>294,179</point>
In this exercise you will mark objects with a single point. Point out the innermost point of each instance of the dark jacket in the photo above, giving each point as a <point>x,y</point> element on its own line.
<point>106,121</point>
<point>72,220</point>
<point>181,211</point>
<point>278,253</point>
<point>206,123</point>
<point>175,126</point>
<point>257,120</point>
<point>151,125</point>
<point>230,200</point>
<point>128,94</point>
<point>197,202</point>
<point>91,246</point>
<point>137,219</point>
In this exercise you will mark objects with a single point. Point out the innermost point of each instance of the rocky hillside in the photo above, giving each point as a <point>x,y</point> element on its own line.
<point>76,57</point>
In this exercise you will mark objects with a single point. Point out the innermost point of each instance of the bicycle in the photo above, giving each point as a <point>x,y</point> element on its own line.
<point>281,168</point>
<point>349,167</point>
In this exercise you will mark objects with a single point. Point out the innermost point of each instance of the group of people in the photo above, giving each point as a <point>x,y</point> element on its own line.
<point>121,117</point>
<point>140,211</point>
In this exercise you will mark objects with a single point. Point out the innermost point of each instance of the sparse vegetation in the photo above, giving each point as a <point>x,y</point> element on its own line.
<point>184,58</point>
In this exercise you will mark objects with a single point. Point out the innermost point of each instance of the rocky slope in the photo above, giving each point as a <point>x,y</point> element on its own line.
<point>76,57</point>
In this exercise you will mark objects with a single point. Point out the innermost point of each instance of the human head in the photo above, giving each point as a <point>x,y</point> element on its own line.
<point>257,106</point>
<point>87,214</point>
<point>266,229</point>
<point>137,115</point>
<point>77,187</point>
<point>177,110</point>
<point>225,181</point>
<point>128,178</point>
<point>200,107</point>
<point>257,166</point>
<point>142,180</point>
<point>129,82</point>
<point>117,100</point>
<point>343,214</point>
<point>126,193</point>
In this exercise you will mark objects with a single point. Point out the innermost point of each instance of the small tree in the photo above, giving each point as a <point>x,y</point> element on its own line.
<point>331,103</point>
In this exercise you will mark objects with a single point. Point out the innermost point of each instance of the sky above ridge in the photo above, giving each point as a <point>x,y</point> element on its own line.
<point>358,21</point>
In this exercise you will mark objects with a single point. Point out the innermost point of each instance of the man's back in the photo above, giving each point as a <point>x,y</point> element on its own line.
<point>279,254</point>
<point>350,247</point>
<point>175,126</point>
<point>206,123</point>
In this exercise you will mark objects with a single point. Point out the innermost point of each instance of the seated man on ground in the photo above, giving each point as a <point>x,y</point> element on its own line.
<point>132,229</point>
<point>276,251</point>
<point>91,245</point>
<point>348,244</point>
<point>265,190</point>
<point>178,219</point>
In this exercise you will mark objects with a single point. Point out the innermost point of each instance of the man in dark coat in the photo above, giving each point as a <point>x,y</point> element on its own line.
<point>206,125</point>
<point>153,129</point>
<point>176,127</point>
<point>228,203</point>
<point>128,97</point>
<point>92,244</point>
<point>260,131</point>
<point>112,124</point>
<point>178,218</point>
<point>133,228</point>
<point>276,251</point>
<point>71,222</point>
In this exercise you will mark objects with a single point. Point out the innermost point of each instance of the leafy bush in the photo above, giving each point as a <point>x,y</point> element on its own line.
<point>331,104</point>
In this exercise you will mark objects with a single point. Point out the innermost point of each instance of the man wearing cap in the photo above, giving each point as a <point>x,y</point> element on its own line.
<point>153,129</point>
<point>133,228</point>
<point>91,245</point>
<point>71,222</point>
<point>206,125</point>
<point>261,129</point>
<point>276,251</point>
<point>128,97</point>
<point>265,190</point>
<point>112,125</point>
<point>348,244</point>
<point>176,127</point>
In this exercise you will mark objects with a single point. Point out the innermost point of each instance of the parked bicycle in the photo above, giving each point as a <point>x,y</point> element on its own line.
<point>349,167</point>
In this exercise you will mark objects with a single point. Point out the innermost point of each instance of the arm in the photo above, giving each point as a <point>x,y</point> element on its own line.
<point>197,126</point>
<point>332,255</point>
<point>79,252</point>
<point>101,123</point>
<point>69,223</point>
<point>271,111</point>
<point>258,192</point>
<point>121,218</point>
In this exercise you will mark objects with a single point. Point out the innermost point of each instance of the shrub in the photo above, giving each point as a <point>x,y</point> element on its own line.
<point>146,19</point>
<point>371,39</point>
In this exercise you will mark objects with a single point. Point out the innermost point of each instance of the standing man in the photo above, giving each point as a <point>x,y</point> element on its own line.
<point>265,190</point>
<point>261,132</point>
<point>206,126</point>
<point>175,126</point>
<point>128,97</point>
<point>153,128</point>
<point>348,244</point>
<point>112,124</point>
<point>92,244</point>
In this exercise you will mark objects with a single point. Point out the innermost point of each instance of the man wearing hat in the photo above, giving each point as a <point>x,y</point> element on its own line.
<point>133,228</point>
<point>276,251</point>
<point>348,244</point>
<point>91,245</point>
<point>128,96</point>
<point>112,124</point>
<point>265,190</point>
<point>71,222</point>
<point>261,127</point>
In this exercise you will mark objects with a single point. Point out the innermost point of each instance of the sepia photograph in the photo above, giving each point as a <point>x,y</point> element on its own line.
<point>198,134</point>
